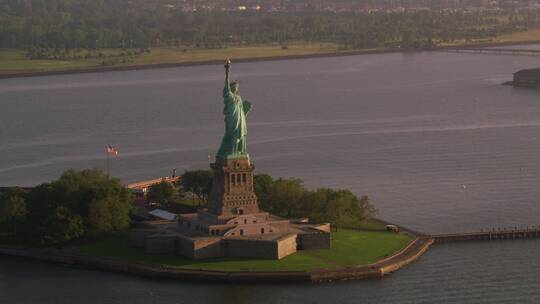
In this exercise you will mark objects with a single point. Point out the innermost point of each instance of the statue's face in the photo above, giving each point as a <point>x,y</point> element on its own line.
<point>234,87</point>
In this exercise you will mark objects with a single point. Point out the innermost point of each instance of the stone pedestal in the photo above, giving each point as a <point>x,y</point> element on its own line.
<point>232,188</point>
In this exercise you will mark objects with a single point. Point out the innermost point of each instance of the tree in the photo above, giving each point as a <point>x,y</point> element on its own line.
<point>45,26</point>
<point>336,211</point>
<point>363,209</point>
<point>289,198</point>
<point>161,193</point>
<point>262,185</point>
<point>343,208</point>
<point>12,211</point>
<point>285,196</point>
<point>61,226</point>
<point>79,203</point>
<point>314,204</point>
<point>199,183</point>
<point>100,217</point>
<point>107,215</point>
<point>79,190</point>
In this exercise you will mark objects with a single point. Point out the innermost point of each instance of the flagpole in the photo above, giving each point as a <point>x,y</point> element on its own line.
<point>108,164</point>
<point>110,150</point>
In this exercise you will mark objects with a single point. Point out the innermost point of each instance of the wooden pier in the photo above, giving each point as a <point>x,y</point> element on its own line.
<point>492,234</point>
<point>493,51</point>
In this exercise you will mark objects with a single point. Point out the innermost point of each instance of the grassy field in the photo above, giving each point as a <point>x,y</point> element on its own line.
<point>368,224</point>
<point>349,248</point>
<point>178,55</point>
<point>530,35</point>
<point>15,61</point>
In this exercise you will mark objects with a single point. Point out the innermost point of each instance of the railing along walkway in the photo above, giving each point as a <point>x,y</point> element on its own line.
<point>490,234</point>
<point>492,51</point>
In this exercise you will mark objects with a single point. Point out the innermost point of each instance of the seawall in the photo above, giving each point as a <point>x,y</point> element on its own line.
<point>377,270</point>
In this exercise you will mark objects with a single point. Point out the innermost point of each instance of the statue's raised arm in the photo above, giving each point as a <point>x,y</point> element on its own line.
<point>227,87</point>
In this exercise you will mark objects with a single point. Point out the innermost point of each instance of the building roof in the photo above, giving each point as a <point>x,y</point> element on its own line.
<point>162,214</point>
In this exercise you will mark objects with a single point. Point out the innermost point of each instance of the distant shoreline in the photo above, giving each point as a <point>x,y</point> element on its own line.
<point>249,59</point>
<point>194,63</point>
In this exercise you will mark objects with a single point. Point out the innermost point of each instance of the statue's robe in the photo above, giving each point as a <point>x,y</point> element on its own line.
<point>235,111</point>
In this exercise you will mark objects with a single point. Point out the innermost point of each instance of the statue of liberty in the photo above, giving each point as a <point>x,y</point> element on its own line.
<point>233,143</point>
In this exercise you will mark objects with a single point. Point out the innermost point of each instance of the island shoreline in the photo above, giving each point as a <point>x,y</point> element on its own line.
<point>406,255</point>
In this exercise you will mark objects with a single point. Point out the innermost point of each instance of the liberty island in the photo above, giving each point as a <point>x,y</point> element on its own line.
<point>235,230</point>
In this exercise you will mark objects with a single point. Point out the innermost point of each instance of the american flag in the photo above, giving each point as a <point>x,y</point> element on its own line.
<point>111,150</point>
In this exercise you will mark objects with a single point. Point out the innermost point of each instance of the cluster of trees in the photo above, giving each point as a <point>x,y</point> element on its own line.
<point>284,197</point>
<point>195,187</point>
<point>66,54</point>
<point>83,24</point>
<point>289,198</point>
<point>78,204</point>
<point>89,203</point>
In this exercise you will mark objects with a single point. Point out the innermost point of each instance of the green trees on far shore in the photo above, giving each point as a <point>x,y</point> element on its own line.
<point>50,29</point>
<point>80,203</point>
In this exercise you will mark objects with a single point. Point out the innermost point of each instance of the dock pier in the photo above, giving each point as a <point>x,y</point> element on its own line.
<point>490,234</point>
<point>491,51</point>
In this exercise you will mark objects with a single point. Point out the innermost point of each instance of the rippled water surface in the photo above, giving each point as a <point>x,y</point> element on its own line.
<point>433,138</point>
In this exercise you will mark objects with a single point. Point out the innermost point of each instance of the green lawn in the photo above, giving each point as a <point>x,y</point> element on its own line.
<point>176,55</point>
<point>349,248</point>
<point>531,35</point>
<point>367,224</point>
<point>14,61</point>
<point>528,35</point>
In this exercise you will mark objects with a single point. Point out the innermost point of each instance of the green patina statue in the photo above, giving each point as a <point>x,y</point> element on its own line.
<point>233,144</point>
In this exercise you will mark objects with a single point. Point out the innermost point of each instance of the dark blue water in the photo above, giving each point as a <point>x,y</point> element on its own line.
<point>433,138</point>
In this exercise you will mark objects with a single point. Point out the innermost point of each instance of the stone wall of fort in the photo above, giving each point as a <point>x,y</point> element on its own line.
<point>263,249</point>
<point>314,241</point>
<point>161,243</point>
<point>137,237</point>
<point>206,248</point>
<point>286,246</point>
<point>376,270</point>
<point>252,229</point>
